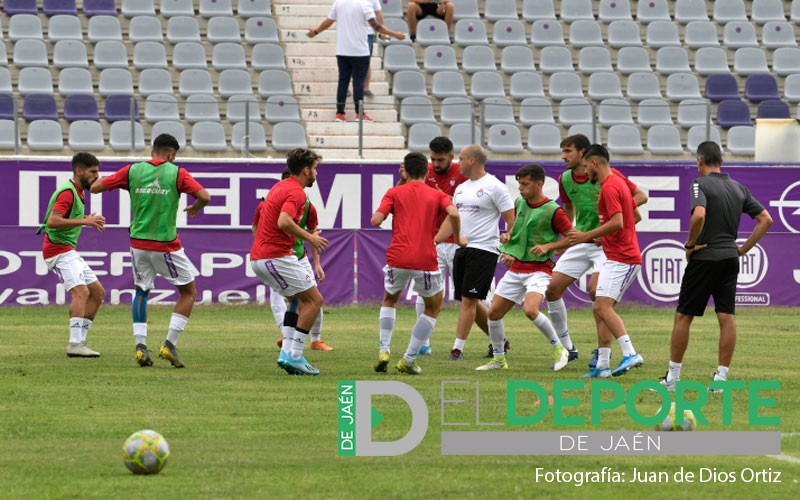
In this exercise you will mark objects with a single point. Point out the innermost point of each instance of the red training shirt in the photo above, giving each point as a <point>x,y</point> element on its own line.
<point>446,182</point>
<point>615,197</point>
<point>312,221</point>
<point>416,210</point>
<point>270,241</point>
<point>560,224</point>
<point>63,205</point>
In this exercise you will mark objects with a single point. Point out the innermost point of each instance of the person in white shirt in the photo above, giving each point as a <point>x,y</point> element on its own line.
<point>376,5</point>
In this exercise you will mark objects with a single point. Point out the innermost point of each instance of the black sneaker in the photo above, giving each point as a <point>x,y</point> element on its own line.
<point>456,355</point>
<point>142,356</point>
<point>490,350</point>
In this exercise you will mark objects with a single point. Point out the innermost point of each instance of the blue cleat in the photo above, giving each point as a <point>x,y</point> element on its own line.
<point>628,362</point>
<point>425,351</point>
<point>598,373</point>
<point>299,366</point>
<point>282,359</point>
<point>593,361</point>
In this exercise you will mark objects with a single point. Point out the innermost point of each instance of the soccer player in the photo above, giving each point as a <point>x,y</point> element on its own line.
<point>617,232</point>
<point>277,301</point>
<point>273,260</point>
<point>417,210</point>
<point>62,226</point>
<point>713,254</point>
<point>579,197</point>
<point>481,202</point>
<point>155,188</point>
<point>528,253</point>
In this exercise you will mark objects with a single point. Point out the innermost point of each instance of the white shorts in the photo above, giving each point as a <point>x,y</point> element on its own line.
<point>580,259</point>
<point>515,286</point>
<point>286,275</point>
<point>426,283</point>
<point>445,252</point>
<point>615,278</point>
<point>71,269</point>
<point>175,267</point>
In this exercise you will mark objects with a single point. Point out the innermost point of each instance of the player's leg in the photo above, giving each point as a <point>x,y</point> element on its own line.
<point>78,296</point>
<point>476,270</point>
<point>288,328</point>
<point>614,280</point>
<point>143,279</point>
<point>394,282</point>
<point>93,302</point>
<point>503,301</point>
<point>277,304</point>
<point>429,286</point>
<point>76,276</point>
<point>535,285</point>
<point>317,344</point>
<point>724,293</point>
<point>412,12</point>
<point>176,268</point>
<point>310,304</point>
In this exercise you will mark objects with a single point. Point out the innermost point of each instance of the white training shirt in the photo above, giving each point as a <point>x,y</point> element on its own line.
<point>376,6</point>
<point>479,205</point>
<point>352,26</point>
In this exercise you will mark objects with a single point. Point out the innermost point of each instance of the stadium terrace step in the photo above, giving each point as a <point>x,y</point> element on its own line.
<point>304,9</point>
<point>327,63</point>
<point>376,128</point>
<point>326,75</point>
<point>351,141</point>
<point>329,88</point>
<point>392,155</point>
<point>298,35</point>
<point>305,22</point>
<point>382,116</point>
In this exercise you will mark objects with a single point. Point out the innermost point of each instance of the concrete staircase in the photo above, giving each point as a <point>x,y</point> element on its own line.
<point>312,64</point>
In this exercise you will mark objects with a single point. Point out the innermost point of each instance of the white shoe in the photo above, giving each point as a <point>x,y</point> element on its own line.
<point>81,351</point>
<point>560,357</point>
<point>497,363</point>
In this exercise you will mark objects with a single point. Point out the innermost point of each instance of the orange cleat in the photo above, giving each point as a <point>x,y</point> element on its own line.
<point>320,345</point>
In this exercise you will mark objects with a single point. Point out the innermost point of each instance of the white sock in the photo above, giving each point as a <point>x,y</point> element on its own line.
<point>459,344</point>
<point>317,327</point>
<point>722,373</point>
<point>497,334</point>
<point>87,323</point>
<point>298,342</point>
<point>419,306</point>
<point>288,335</point>
<point>176,325</point>
<point>603,357</point>
<point>75,330</point>
<point>626,345</point>
<point>542,322</point>
<point>421,333</point>
<point>674,372</point>
<point>558,315</point>
<point>278,305</point>
<point>387,318</point>
<point>140,333</point>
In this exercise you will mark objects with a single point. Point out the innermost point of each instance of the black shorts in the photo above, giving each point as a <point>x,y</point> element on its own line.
<point>473,271</point>
<point>429,9</point>
<point>709,278</point>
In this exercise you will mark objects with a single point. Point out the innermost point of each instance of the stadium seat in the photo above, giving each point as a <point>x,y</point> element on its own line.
<point>498,10</point>
<point>433,31</point>
<point>288,135</point>
<point>624,34</point>
<point>267,56</point>
<point>546,32</point>
<point>249,9</point>
<point>467,32</point>
<point>104,28</point>
<point>182,29</point>
<point>24,26</point>
<point>693,112</point>
<point>172,8</point>
<point>710,60</point>
<point>464,134</point>
<point>699,134</point>
<point>7,108</point>
<point>421,134</point>
<point>79,107</point>
<point>624,140</point>
<point>448,84</point>
<point>593,133</point>
<point>576,10</point>
<point>39,107</point>
<point>5,80</point>
<point>759,88</point>
<point>3,55</point>
<point>149,55</point>
<point>687,11</point>
<point>463,9</point>
<point>195,81</point>
<point>604,86</point>
<point>614,10</point>
<point>614,112</point>
<point>486,84</point>
<point>214,8</point>
<point>403,57</point>
<point>189,55</point>
<point>133,8</point>
<point>85,135</point>
<point>208,137</point>
<point>662,34</point>
<point>497,110</point>
<point>536,111</point>
<point>242,107</point>
<point>45,135</point>
<point>17,7</point>
<point>30,53</point>
<point>773,108</point>
<point>682,86</point>
<point>574,111</point>
<point>505,138</point>
<point>643,86</point>
<point>416,109</point>
<point>535,10</point>
<point>63,27</point>
<point>633,60</point>
<point>118,108</point>
<point>408,83</point>
<point>526,84</point>
<point>231,56</point>
<point>115,81</point>
<point>721,87</point>
<point>732,113</point>
<point>478,58</point>
<point>174,128</point>
<point>791,88</point>
<point>594,60</point>
<point>765,11</point>
<point>664,140</point>
<point>33,81</point>
<point>93,8</point>
<point>283,108</point>
<point>145,29</point>
<point>544,139</point>
<point>261,30</point>
<point>456,110</point>
<point>508,33</point>
<point>110,54</point>
<point>726,11</point>
<point>161,107</point>
<point>154,81</point>
<point>698,34</point>
<point>652,112</point>
<point>652,10</point>
<point>515,59</point>
<point>274,82</point>
<point>75,81</point>
<point>437,58</point>
<point>585,34</point>
<point>565,86</point>
<point>201,107</point>
<point>223,29</point>
<point>256,140</point>
<point>776,34</point>
<point>119,136</point>
<point>394,8</point>
<point>234,82</point>
<point>7,135</point>
<point>739,34</point>
<point>742,141</point>
<point>671,60</point>
<point>395,24</point>
<point>794,15</point>
<point>554,59</point>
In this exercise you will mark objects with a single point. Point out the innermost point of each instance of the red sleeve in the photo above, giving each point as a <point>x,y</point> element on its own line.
<point>117,180</point>
<point>312,221</point>
<point>257,215</point>
<point>631,184</point>
<point>294,205</point>
<point>611,201</point>
<point>387,203</point>
<point>63,204</point>
<point>561,223</point>
<point>186,183</point>
<point>563,194</point>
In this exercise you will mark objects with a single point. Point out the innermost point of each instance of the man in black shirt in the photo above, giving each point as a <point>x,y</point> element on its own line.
<point>713,255</point>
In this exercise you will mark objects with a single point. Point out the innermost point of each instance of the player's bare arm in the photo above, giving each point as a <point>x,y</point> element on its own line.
<point>201,200</point>
<point>455,224</point>
<point>510,217</point>
<point>327,23</point>
<point>696,224</point>
<point>318,271</point>
<point>287,225</point>
<point>58,221</point>
<point>613,225</point>
<point>556,246</point>
<point>763,223</point>
<point>98,186</point>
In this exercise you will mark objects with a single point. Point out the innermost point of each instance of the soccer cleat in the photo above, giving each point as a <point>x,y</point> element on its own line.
<point>560,357</point>
<point>81,351</point>
<point>498,363</point>
<point>383,362</point>
<point>170,353</point>
<point>490,350</point>
<point>456,355</point>
<point>142,356</point>
<point>598,373</point>
<point>425,351</point>
<point>282,358</point>
<point>340,117</point>
<point>593,361</point>
<point>628,362</point>
<point>714,379</point>
<point>405,367</point>
<point>298,366</point>
<point>573,355</point>
<point>669,384</point>
<point>320,345</point>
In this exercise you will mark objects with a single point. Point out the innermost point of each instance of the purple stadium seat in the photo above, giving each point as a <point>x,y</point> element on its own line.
<point>760,87</point>
<point>118,108</point>
<point>722,86</point>
<point>6,107</point>
<point>39,107</point>
<point>56,7</point>
<point>20,7</point>
<point>732,113</point>
<point>80,107</point>
<point>99,8</point>
<point>773,108</point>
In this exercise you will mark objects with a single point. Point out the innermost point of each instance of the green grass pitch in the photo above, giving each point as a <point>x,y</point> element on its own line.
<point>238,427</point>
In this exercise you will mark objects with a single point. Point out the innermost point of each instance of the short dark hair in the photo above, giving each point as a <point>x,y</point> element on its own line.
<point>286,173</point>
<point>596,150</point>
<point>166,141</point>
<point>441,145</point>
<point>534,171</point>
<point>710,153</point>
<point>580,141</point>
<point>415,165</point>
<point>299,158</point>
<point>84,160</point>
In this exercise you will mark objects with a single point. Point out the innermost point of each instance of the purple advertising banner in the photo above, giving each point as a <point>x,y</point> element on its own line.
<point>218,240</point>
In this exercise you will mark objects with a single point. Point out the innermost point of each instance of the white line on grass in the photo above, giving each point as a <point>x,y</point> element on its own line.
<point>789,434</point>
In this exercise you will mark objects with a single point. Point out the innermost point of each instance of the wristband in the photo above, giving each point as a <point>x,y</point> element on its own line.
<point>688,246</point>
